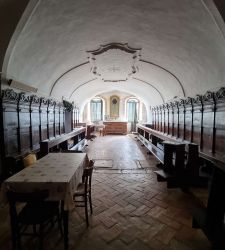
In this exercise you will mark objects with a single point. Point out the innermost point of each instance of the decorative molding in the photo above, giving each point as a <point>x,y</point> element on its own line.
<point>43,101</point>
<point>114,57</point>
<point>51,103</point>
<point>122,46</point>
<point>35,99</point>
<point>115,80</point>
<point>24,98</point>
<point>220,94</point>
<point>68,106</point>
<point>9,94</point>
<point>208,98</point>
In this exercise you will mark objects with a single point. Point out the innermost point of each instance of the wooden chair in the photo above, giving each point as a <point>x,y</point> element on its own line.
<point>83,193</point>
<point>29,160</point>
<point>35,212</point>
<point>102,131</point>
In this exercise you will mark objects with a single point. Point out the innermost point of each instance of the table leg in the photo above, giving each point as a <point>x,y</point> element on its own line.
<point>65,216</point>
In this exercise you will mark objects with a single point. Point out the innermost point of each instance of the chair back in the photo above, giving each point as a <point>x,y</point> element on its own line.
<point>87,176</point>
<point>36,197</point>
<point>29,160</point>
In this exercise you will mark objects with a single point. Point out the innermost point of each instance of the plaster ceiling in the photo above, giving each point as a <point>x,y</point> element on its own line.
<point>155,50</point>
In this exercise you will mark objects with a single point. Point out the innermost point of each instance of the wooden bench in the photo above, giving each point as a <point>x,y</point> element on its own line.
<point>61,143</point>
<point>179,160</point>
<point>89,131</point>
<point>210,218</point>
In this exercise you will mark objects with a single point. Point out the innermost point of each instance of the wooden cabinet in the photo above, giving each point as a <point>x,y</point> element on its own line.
<point>115,127</point>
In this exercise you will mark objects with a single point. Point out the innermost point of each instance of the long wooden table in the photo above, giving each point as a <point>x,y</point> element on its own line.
<point>59,173</point>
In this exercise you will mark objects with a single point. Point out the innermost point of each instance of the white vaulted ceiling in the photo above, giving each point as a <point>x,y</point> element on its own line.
<point>154,49</point>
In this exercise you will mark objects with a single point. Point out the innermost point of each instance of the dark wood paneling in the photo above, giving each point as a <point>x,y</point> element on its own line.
<point>28,120</point>
<point>197,116</point>
<point>171,122</point>
<point>220,130</point>
<point>188,121</point>
<point>200,120</point>
<point>207,129</point>
<point>57,115</point>
<point>181,123</point>
<point>176,122</point>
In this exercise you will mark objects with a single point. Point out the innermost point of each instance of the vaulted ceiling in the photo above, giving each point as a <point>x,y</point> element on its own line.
<point>154,49</point>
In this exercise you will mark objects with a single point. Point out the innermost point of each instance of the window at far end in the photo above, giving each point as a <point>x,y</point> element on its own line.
<point>132,110</point>
<point>96,110</point>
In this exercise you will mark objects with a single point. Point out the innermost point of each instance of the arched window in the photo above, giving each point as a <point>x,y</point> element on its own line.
<point>96,110</point>
<point>132,109</point>
<point>132,112</point>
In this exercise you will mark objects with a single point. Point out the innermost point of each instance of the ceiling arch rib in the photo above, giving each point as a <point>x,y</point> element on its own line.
<point>169,72</point>
<point>82,84</point>
<point>64,73</point>
<point>70,81</point>
<point>152,87</point>
<point>77,76</point>
<point>175,38</point>
<point>146,93</point>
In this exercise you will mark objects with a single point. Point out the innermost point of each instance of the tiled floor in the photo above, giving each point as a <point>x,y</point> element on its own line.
<point>131,209</point>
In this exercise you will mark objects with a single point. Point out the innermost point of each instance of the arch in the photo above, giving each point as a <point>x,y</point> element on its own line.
<point>166,70</point>
<point>163,100</point>
<point>66,72</point>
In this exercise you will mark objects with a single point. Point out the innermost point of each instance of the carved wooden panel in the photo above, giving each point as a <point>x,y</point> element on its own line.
<point>28,120</point>
<point>176,120</point>
<point>57,129</point>
<point>10,130</point>
<point>188,121</point>
<point>166,117</point>
<point>200,120</point>
<point>62,119</point>
<point>24,122</point>
<point>207,130</point>
<point>35,123</point>
<point>171,122</point>
<point>51,123</point>
<point>197,115</point>
<point>181,123</point>
<point>220,130</point>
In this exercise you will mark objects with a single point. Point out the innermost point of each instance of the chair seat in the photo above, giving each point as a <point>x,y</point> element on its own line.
<point>83,192</point>
<point>31,209</point>
<point>81,189</point>
<point>38,213</point>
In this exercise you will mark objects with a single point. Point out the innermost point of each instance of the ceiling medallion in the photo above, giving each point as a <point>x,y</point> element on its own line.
<point>114,62</point>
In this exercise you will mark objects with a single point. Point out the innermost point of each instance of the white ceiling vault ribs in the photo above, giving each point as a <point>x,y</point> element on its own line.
<point>64,73</point>
<point>172,74</point>
<point>124,68</point>
<point>183,52</point>
<point>146,93</point>
<point>163,100</point>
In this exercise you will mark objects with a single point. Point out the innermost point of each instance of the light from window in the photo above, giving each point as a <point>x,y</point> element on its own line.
<point>96,110</point>
<point>132,109</point>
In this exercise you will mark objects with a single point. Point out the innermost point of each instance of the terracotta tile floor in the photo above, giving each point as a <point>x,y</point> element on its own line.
<point>131,209</point>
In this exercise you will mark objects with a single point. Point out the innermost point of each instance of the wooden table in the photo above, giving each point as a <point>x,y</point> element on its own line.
<point>59,173</point>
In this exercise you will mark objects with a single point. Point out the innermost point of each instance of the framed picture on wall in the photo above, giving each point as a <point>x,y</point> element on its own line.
<point>114,106</point>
